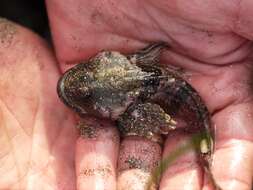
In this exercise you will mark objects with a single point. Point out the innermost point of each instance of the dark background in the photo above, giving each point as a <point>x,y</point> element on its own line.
<point>29,13</point>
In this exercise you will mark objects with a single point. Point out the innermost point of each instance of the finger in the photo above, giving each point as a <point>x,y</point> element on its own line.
<point>233,158</point>
<point>84,31</point>
<point>96,155</point>
<point>137,159</point>
<point>117,25</point>
<point>184,173</point>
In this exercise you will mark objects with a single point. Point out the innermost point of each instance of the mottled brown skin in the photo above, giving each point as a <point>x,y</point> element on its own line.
<point>138,93</point>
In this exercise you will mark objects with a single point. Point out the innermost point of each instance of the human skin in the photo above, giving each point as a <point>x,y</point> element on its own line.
<point>211,40</point>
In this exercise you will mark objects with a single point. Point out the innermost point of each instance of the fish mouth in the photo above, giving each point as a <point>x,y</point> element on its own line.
<point>64,97</point>
<point>61,90</point>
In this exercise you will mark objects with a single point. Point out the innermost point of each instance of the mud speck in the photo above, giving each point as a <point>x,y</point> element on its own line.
<point>7,32</point>
<point>100,170</point>
<point>134,163</point>
<point>96,16</point>
<point>87,131</point>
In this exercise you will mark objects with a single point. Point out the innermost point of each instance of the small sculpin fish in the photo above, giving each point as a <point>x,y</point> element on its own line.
<point>141,95</point>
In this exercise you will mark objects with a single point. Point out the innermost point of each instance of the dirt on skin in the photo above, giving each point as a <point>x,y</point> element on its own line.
<point>7,32</point>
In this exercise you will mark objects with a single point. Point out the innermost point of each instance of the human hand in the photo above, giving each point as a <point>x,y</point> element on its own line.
<point>218,64</point>
<point>209,40</point>
<point>37,134</point>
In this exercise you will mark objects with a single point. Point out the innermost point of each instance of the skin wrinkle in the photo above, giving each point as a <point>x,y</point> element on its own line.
<point>159,27</point>
<point>237,48</point>
<point>167,37</point>
<point>227,53</point>
<point>242,100</point>
<point>3,156</point>
<point>201,22</point>
<point>138,24</point>
<point>13,113</point>
<point>9,152</point>
<point>225,144</point>
<point>221,108</point>
<point>219,58</point>
<point>213,57</point>
<point>21,177</point>
<point>109,27</point>
<point>12,152</point>
<point>110,21</point>
<point>33,119</point>
<point>171,11</point>
<point>172,39</point>
<point>232,102</point>
<point>32,169</point>
<point>193,65</point>
<point>229,10</point>
<point>28,101</point>
<point>41,171</point>
<point>123,33</point>
<point>18,182</point>
<point>119,14</point>
<point>3,161</point>
<point>150,26</point>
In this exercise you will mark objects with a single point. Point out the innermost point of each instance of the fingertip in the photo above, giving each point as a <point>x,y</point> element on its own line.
<point>138,157</point>
<point>96,156</point>
<point>182,171</point>
<point>233,164</point>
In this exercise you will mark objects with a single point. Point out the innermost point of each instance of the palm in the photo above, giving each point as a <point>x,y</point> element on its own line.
<point>37,139</point>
